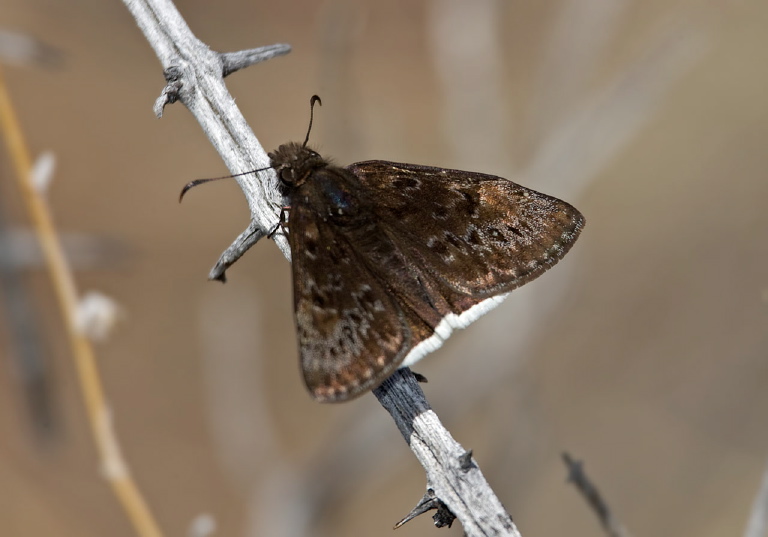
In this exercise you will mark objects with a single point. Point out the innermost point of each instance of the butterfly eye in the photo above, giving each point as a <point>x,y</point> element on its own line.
<point>288,175</point>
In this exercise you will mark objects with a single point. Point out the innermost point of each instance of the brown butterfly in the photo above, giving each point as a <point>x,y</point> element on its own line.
<point>389,258</point>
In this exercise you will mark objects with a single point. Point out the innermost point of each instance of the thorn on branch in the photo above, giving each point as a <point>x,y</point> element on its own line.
<point>429,501</point>
<point>234,61</point>
<point>420,378</point>
<point>465,461</point>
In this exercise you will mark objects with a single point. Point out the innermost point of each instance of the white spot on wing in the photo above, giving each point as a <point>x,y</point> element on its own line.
<point>446,326</point>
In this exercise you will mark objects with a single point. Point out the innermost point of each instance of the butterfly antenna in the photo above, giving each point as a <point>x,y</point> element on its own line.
<point>312,101</point>
<point>201,181</point>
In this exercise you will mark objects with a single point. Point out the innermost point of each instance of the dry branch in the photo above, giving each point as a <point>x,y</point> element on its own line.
<point>113,465</point>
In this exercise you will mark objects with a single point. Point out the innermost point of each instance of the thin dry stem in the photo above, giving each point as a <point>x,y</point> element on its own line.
<point>113,464</point>
<point>576,475</point>
<point>757,525</point>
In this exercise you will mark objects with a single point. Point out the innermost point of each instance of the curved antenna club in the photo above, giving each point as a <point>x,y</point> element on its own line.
<point>201,181</point>
<point>312,101</point>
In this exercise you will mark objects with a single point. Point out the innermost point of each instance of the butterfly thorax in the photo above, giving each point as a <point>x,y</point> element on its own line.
<point>309,180</point>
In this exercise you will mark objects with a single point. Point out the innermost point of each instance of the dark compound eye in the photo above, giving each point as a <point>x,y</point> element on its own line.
<point>288,175</point>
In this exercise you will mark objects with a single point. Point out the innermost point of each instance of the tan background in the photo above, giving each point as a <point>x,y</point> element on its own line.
<point>644,353</point>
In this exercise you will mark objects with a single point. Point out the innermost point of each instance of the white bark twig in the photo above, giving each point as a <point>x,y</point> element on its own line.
<point>454,481</point>
<point>195,77</point>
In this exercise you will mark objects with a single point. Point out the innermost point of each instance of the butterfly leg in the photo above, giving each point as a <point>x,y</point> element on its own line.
<point>282,224</point>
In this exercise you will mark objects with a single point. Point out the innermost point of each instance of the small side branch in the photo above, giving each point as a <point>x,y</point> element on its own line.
<point>245,240</point>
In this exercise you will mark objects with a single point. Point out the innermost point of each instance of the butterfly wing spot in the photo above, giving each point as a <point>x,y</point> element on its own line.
<point>406,183</point>
<point>474,237</point>
<point>453,240</point>
<point>327,393</point>
<point>494,233</point>
<point>441,249</point>
<point>311,249</point>
<point>441,213</point>
<point>471,204</point>
<point>515,231</point>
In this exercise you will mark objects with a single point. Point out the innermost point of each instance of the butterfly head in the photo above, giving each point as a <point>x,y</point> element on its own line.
<point>294,163</point>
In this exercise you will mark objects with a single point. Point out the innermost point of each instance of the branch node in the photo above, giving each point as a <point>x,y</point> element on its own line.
<point>172,90</point>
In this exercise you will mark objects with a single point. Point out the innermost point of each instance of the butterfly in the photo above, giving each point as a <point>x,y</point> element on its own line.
<point>389,258</point>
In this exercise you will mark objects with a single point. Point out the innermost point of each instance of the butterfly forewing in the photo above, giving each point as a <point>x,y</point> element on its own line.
<point>478,234</point>
<point>352,334</point>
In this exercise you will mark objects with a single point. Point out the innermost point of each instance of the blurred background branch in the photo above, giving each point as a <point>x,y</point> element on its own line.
<point>113,465</point>
<point>608,519</point>
<point>757,525</point>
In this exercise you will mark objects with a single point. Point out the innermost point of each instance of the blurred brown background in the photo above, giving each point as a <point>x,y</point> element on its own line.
<point>643,353</point>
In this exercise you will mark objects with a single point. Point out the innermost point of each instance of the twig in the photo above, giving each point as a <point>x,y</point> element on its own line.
<point>758,518</point>
<point>99,418</point>
<point>195,76</point>
<point>590,493</point>
<point>452,474</point>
